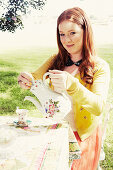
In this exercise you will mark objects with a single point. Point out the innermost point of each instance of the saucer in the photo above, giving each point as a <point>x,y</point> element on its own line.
<point>21,124</point>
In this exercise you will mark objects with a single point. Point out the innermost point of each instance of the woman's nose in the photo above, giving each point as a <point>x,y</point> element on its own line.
<point>67,38</point>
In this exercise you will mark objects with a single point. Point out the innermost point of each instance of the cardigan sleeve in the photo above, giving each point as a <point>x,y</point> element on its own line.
<point>38,74</point>
<point>92,100</point>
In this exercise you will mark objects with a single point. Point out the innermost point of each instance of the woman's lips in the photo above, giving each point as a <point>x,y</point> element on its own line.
<point>69,46</point>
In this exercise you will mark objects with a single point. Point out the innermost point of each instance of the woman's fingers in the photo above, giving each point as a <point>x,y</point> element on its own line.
<point>25,80</point>
<point>58,85</point>
<point>58,89</point>
<point>58,76</point>
<point>58,79</point>
<point>24,77</point>
<point>55,71</point>
<point>23,85</point>
<point>28,76</point>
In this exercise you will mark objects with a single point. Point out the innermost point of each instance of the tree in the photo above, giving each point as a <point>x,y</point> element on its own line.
<point>12,18</point>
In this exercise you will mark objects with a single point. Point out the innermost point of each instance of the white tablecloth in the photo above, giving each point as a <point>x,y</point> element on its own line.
<point>35,148</point>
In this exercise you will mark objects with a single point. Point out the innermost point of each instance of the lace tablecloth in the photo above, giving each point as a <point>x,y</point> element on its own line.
<point>44,145</point>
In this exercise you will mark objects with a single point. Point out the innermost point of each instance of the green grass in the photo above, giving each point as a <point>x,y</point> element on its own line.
<point>11,95</point>
<point>11,64</point>
<point>106,52</point>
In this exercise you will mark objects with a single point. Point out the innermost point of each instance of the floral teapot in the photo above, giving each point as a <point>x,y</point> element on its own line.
<point>50,103</point>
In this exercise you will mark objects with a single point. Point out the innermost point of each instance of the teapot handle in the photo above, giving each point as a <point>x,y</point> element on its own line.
<point>44,78</point>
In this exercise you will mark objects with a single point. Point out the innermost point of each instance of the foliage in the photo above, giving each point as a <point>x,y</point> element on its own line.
<point>12,18</point>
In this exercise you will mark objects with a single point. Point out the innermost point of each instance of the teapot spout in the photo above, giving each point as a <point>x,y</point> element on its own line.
<point>35,102</point>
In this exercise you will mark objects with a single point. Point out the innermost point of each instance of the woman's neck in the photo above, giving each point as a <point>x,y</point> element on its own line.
<point>76,57</point>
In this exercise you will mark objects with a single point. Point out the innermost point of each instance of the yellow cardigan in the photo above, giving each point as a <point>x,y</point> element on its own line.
<point>88,100</point>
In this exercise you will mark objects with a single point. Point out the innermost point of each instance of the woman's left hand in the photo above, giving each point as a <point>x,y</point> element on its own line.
<point>58,79</point>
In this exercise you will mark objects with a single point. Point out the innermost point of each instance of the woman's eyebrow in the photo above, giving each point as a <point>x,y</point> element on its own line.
<point>68,31</point>
<point>71,30</point>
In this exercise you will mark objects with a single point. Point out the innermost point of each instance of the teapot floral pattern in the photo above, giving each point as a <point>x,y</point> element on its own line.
<point>51,107</point>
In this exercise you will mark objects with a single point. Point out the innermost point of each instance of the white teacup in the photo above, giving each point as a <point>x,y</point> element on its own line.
<point>22,114</point>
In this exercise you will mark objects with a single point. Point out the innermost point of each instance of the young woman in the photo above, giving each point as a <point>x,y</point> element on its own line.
<point>85,77</point>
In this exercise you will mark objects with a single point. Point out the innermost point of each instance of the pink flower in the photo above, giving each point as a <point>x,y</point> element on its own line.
<point>51,107</point>
<point>51,113</point>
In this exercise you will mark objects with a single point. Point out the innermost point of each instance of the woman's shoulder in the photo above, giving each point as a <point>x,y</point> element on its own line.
<point>101,63</point>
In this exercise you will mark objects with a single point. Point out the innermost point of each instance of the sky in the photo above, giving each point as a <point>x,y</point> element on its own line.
<point>40,26</point>
<point>96,7</point>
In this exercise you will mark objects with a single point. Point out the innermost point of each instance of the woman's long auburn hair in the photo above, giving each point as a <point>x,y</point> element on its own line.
<point>78,16</point>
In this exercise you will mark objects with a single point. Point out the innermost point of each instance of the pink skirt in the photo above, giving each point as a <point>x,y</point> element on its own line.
<point>90,148</point>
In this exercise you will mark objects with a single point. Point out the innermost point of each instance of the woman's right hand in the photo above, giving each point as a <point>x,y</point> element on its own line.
<point>25,80</point>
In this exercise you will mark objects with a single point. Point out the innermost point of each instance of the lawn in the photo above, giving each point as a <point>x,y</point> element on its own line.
<point>11,95</point>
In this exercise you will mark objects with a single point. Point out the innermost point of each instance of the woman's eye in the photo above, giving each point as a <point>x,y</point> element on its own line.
<point>62,35</point>
<point>72,33</point>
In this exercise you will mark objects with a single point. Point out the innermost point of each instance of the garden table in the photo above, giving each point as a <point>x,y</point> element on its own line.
<point>43,145</point>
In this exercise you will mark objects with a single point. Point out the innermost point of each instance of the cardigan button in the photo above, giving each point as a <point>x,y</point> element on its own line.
<point>85,117</point>
<point>81,109</point>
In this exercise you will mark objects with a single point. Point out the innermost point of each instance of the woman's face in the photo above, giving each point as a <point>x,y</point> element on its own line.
<point>71,37</point>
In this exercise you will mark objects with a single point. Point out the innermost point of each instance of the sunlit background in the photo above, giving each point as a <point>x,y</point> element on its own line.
<point>40,26</point>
